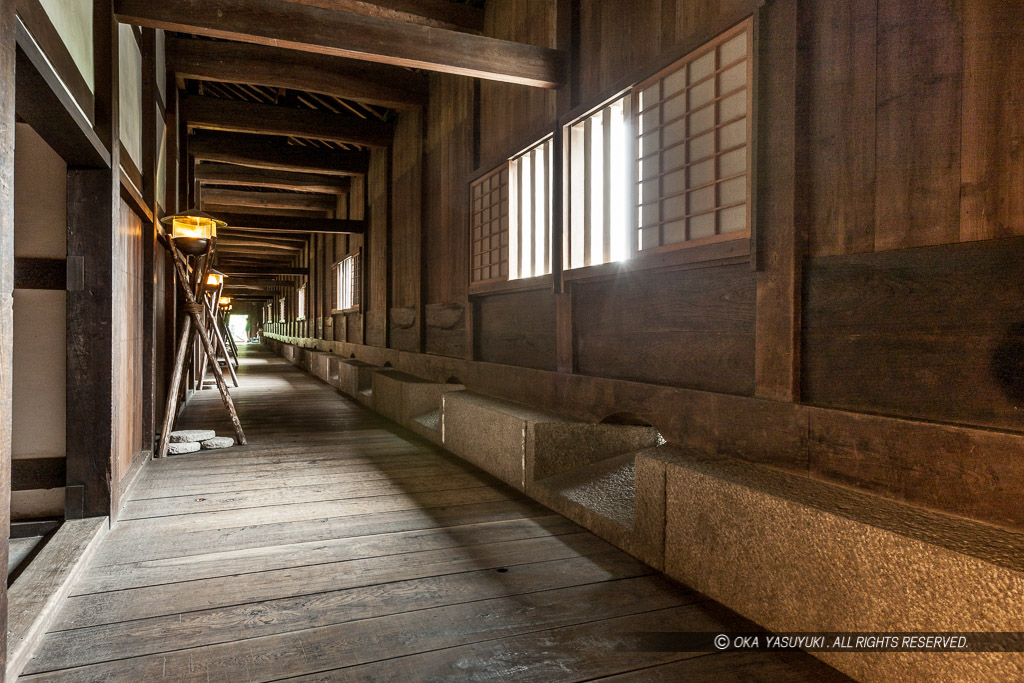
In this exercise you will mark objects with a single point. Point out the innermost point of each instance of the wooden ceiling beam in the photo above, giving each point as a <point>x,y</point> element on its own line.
<point>436,13</point>
<point>269,200</point>
<point>236,116</point>
<point>279,23</point>
<point>230,242</point>
<point>248,283</point>
<point>241,221</point>
<point>258,151</point>
<point>236,271</point>
<point>217,209</point>
<point>230,174</point>
<point>274,67</point>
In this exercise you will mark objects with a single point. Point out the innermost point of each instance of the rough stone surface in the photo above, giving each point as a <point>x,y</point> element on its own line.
<point>218,442</point>
<point>352,376</point>
<point>742,535</point>
<point>181,448</point>
<point>192,435</point>
<point>558,447</point>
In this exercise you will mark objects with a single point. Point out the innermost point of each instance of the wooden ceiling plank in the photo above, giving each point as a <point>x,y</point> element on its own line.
<point>269,200</point>
<point>436,13</point>
<point>279,23</point>
<point>239,221</point>
<point>232,62</point>
<point>233,116</point>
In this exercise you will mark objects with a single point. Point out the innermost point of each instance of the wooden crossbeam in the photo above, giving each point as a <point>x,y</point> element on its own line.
<point>259,151</point>
<point>230,174</point>
<point>242,221</point>
<point>218,209</point>
<point>236,116</point>
<point>230,242</point>
<point>343,34</point>
<point>437,13</point>
<point>262,283</point>
<point>269,200</point>
<point>263,270</point>
<point>274,67</point>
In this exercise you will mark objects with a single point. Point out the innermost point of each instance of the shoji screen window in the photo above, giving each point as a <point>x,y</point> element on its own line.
<point>346,274</point>
<point>693,146</point>
<point>530,212</point>
<point>489,227</point>
<point>598,155</point>
<point>302,303</point>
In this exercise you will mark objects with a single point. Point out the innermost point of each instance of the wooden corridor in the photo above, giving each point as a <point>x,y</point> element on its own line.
<point>337,546</point>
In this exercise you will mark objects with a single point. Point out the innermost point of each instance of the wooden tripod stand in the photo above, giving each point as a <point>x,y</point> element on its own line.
<point>195,327</point>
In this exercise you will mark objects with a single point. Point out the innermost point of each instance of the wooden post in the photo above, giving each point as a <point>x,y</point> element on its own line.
<point>7,125</point>
<point>150,164</point>
<point>94,201</point>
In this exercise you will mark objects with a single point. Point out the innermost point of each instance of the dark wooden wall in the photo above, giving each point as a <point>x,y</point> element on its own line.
<point>884,284</point>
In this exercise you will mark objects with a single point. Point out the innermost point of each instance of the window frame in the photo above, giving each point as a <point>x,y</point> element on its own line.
<point>719,249</point>
<point>336,272</point>
<point>282,309</point>
<point>300,302</point>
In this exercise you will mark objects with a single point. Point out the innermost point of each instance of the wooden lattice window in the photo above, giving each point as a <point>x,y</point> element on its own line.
<point>302,303</point>
<point>280,310</point>
<point>598,154</point>
<point>489,226</point>
<point>346,283</point>
<point>693,142</point>
<point>530,212</point>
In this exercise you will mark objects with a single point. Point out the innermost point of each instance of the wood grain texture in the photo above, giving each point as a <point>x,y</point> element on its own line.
<point>840,163</point>
<point>516,329</point>
<point>919,72</point>
<point>932,333</point>
<point>232,175</point>
<point>406,211</point>
<point>686,328</point>
<point>445,329</point>
<point>40,273</point>
<point>992,167</point>
<point>260,152</point>
<point>419,581</point>
<point>8,59</point>
<point>37,473</point>
<point>780,242</point>
<point>291,224</point>
<point>273,67</point>
<point>340,34</point>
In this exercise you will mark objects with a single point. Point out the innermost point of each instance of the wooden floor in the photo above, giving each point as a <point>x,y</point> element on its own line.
<point>337,546</point>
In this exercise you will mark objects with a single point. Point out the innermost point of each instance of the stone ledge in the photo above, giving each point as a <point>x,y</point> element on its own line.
<point>794,554</point>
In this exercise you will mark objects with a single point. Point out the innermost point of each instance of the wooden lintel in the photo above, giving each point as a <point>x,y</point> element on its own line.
<point>274,67</point>
<point>341,34</point>
<point>269,200</point>
<point>212,113</point>
<point>260,152</point>
<point>230,174</point>
<point>241,221</point>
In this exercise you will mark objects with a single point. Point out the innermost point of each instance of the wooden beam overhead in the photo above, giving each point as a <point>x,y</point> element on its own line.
<point>269,200</point>
<point>274,67</point>
<point>230,174</point>
<point>241,221</point>
<point>236,116</point>
<point>218,209</point>
<point>436,13</point>
<point>279,23</point>
<point>227,242</point>
<point>259,151</point>
<point>262,270</point>
<point>263,283</point>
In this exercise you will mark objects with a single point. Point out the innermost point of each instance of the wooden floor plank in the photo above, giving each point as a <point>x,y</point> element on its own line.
<point>100,579</point>
<point>338,546</point>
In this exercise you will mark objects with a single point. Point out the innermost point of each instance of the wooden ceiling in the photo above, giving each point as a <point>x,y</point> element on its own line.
<point>283,99</point>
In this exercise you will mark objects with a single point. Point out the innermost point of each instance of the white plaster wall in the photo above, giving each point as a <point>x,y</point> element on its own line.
<point>73,21</point>
<point>130,70</point>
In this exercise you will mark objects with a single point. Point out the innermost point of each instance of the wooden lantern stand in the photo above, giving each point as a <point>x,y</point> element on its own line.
<point>195,327</point>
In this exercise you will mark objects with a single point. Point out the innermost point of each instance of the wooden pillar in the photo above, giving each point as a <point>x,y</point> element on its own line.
<point>7,119</point>
<point>150,247</point>
<point>566,38</point>
<point>93,220</point>
<point>779,239</point>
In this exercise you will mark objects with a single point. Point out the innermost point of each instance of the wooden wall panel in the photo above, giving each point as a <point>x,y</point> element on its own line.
<point>448,164</point>
<point>406,209</point>
<point>839,168</point>
<point>918,130</point>
<point>445,329</point>
<point>516,329</point>
<point>127,340</point>
<point>992,189</point>
<point>690,329</point>
<point>934,333</point>
<point>512,115</point>
<point>377,188</point>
